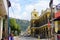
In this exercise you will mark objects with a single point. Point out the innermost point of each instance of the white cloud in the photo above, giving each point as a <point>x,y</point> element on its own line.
<point>15,10</point>
<point>16,7</point>
<point>29,8</point>
<point>14,15</point>
<point>25,16</point>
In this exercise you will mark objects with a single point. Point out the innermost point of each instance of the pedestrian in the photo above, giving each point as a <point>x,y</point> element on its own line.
<point>11,36</point>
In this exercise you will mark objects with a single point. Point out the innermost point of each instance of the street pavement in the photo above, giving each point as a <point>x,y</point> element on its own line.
<point>24,38</point>
<point>27,38</point>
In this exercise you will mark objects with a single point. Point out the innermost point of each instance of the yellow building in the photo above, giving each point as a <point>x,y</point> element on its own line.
<point>34,21</point>
<point>34,14</point>
<point>45,31</point>
<point>40,26</point>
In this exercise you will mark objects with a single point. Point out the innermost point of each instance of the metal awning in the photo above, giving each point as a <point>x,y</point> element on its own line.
<point>57,19</point>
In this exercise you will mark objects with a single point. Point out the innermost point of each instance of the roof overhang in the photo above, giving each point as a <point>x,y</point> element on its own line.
<point>3,7</point>
<point>57,19</point>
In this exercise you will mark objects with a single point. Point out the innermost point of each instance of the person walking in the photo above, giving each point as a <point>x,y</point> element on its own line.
<point>11,36</point>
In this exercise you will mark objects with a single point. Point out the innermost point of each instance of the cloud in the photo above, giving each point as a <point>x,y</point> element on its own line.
<point>25,16</point>
<point>16,7</point>
<point>29,8</point>
<point>14,10</point>
<point>17,16</point>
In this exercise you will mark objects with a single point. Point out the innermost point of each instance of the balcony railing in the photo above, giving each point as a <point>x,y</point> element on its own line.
<point>43,22</point>
<point>40,23</point>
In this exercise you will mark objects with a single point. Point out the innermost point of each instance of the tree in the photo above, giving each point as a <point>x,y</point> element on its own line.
<point>18,29</point>
<point>14,26</point>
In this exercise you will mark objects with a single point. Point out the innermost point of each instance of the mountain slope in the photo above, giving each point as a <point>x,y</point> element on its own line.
<point>23,23</point>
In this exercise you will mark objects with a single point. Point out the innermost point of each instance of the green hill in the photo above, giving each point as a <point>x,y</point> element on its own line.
<point>23,23</point>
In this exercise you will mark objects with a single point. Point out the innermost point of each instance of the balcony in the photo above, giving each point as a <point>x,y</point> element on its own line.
<point>43,22</point>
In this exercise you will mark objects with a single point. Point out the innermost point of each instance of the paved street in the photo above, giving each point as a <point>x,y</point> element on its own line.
<point>24,38</point>
<point>27,38</point>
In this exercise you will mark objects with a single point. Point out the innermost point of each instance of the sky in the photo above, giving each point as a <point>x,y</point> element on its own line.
<point>21,9</point>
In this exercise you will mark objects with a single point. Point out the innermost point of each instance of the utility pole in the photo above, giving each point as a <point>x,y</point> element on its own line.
<point>52,22</point>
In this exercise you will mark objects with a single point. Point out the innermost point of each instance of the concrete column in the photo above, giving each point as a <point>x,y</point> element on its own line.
<point>6,27</point>
<point>1,27</point>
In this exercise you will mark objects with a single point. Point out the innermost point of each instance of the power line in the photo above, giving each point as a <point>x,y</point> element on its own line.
<point>12,11</point>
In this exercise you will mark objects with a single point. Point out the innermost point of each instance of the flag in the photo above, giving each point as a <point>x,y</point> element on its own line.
<point>48,23</point>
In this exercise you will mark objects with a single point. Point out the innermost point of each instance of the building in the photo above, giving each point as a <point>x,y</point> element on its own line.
<point>34,22</point>
<point>42,25</point>
<point>45,28</point>
<point>4,5</point>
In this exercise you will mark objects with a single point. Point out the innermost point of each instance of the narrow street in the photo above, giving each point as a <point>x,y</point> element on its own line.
<point>27,38</point>
<point>24,38</point>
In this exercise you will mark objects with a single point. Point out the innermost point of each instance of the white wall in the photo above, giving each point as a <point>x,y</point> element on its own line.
<point>6,5</point>
<point>3,7</point>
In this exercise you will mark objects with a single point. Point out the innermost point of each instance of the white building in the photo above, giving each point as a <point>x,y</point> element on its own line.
<point>3,14</point>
